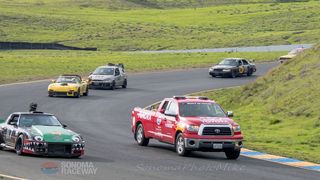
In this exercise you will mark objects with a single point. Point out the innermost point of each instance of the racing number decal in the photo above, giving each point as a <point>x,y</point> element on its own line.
<point>241,69</point>
<point>158,121</point>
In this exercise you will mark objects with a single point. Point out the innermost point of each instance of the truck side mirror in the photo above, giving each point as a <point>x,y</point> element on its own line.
<point>13,123</point>
<point>230,114</point>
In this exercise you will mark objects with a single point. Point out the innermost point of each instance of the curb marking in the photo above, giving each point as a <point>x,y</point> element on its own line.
<point>280,160</point>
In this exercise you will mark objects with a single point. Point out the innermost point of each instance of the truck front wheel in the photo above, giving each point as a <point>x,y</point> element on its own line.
<point>180,146</point>
<point>139,135</point>
<point>232,154</point>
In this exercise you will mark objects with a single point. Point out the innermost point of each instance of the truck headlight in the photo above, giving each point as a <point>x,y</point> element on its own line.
<point>226,70</point>
<point>38,138</point>
<point>192,128</point>
<point>236,128</point>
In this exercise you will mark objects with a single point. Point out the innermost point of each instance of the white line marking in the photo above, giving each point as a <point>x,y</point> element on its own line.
<point>11,177</point>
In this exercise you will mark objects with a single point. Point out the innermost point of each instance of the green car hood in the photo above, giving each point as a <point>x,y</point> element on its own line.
<point>53,133</point>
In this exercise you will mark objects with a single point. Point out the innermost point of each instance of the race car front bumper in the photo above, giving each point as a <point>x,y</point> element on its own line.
<point>220,73</point>
<point>66,93</point>
<point>100,84</point>
<point>53,149</point>
<point>212,145</point>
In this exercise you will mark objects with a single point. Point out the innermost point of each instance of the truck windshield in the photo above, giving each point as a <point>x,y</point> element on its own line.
<point>200,109</point>
<point>28,120</point>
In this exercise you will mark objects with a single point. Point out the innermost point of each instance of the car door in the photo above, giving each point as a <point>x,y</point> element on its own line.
<point>241,67</point>
<point>159,120</point>
<point>122,75</point>
<point>245,65</point>
<point>11,129</point>
<point>117,77</point>
<point>169,122</point>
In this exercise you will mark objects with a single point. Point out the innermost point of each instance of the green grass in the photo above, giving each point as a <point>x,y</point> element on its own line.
<point>31,65</point>
<point>123,25</point>
<point>279,113</point>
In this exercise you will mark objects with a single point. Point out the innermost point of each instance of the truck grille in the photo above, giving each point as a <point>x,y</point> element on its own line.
<point>59,149</point>
<point>217,131</point>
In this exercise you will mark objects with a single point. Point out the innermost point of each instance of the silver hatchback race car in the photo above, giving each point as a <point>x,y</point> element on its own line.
<point>109,76</point>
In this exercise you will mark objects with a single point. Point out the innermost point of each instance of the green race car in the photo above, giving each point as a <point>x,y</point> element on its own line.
<point>40,134</point>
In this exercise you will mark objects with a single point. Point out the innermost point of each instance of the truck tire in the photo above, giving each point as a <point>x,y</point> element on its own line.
<point>140,137</point>
<point>180,146</point>
<point>19,145</point>
<point>232,154</point>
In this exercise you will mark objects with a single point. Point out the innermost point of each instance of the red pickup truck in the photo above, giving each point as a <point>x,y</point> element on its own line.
<point>189,123</point>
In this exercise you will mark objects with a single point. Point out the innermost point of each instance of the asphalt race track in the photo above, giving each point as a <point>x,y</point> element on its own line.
<point>103,119</point>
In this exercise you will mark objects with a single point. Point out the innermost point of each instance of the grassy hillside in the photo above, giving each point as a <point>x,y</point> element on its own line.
<point>159,24</point>
<point>30,65</point>
<point>280,112</point>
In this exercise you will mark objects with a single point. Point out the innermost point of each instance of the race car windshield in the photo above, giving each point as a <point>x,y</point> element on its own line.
<point>68,79</point>
<point>29,120</point>
<point>104,71</point>
<point>230,62</point>
<point>199,109</point>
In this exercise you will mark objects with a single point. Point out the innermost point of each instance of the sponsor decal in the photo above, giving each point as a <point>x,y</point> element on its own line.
<point>168,125</point>
<point>214,121</point>
<point>49,168</point>
<point>144,116</point>
<point>69,168</point>
<point>56,133</point>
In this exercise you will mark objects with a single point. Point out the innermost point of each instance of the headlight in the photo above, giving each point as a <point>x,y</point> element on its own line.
<point>211,69</point>
<point>38,138</point>
<point>192,128</point>
<point>226,70</point>
<point>236,128</point>
<point>76,138</point>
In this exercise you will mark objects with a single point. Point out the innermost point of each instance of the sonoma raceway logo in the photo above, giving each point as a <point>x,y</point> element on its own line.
<point>69,168</point>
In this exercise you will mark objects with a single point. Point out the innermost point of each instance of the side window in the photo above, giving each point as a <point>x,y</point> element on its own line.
<point>14,120</point>
<point>245,62</point>
<point>117,72</point>
<point>164,106</point>
<point>240,63</point>
<point>173,107</point>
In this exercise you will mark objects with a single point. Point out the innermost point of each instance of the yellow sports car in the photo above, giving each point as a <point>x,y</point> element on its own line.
<point>68,85</point>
